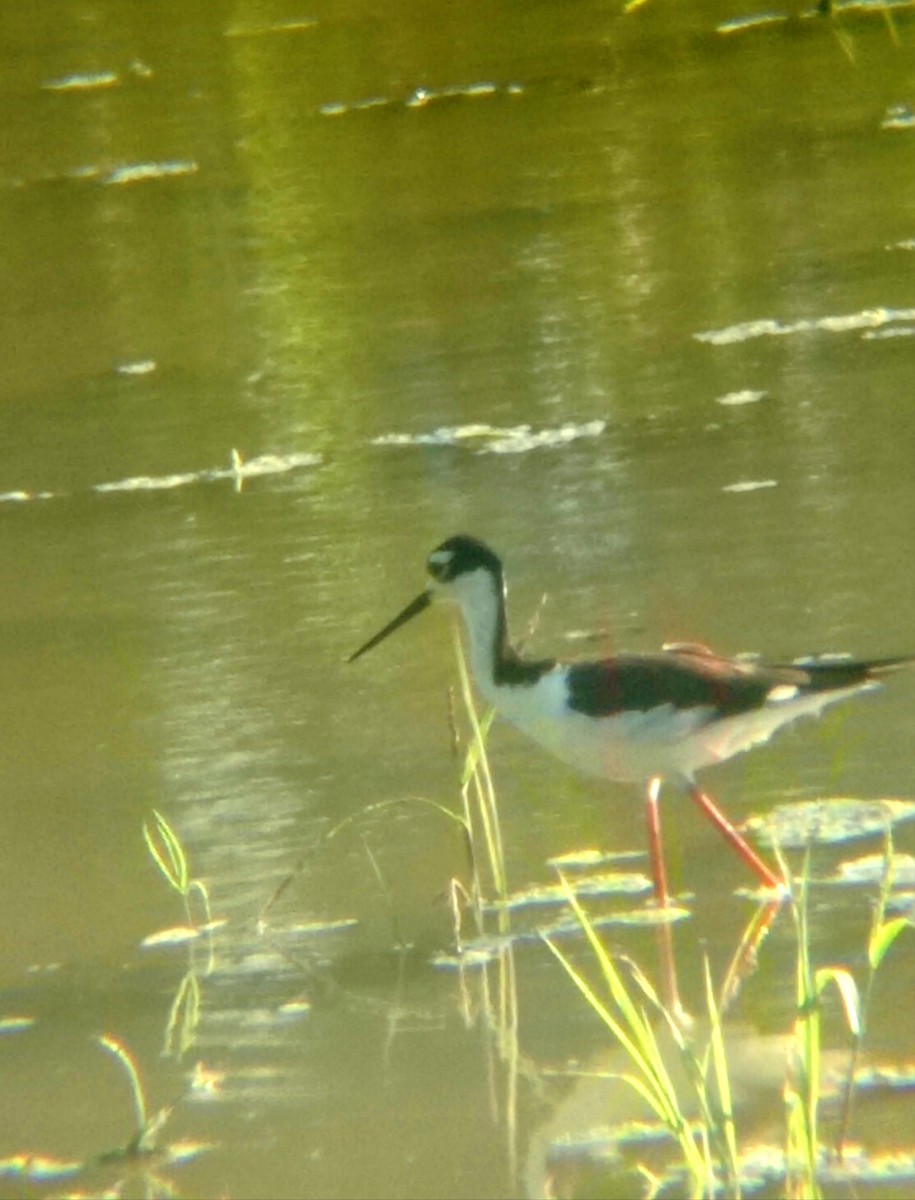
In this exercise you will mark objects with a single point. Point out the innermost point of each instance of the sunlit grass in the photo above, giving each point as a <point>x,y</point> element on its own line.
<point>629,1007</point>
<point>698,1118</point>
<point>168,853</point>
<point>883,933</point>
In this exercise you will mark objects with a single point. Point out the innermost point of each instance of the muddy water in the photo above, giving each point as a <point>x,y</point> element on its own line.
<point>289,295</point>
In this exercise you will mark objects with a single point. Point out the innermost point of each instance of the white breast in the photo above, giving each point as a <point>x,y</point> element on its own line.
<point>631,747</point>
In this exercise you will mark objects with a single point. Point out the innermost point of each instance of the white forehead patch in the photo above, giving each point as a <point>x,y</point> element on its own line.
<point>441,558</point>
<point>781,693</point>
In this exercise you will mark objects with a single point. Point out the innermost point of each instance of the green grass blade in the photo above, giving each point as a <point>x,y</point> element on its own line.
<point>848,991</point>
<point>121,1054</point>
<point>636,1035</point>
<point>608,1019</point>
<point>487,793</point>
<point>883,936</point>
<point>722,1079</point>
<point>167,852</point>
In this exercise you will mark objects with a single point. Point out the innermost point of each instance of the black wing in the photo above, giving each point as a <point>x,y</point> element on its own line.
<point>696,678</point>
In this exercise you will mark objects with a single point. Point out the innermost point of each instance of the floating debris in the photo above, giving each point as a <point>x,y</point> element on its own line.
<point>86,81</point>
<point>15,1024</point>
<point>750,485</point>
<point>752,21</point>
<point>39,1168</point>
<point>490,439</point>
<point>629,918</point>
<point>763,1166</point>
<point>175,1154</point>
<point>828,821</point>
<point>147,483</point>
<point>734,399</point>
<point>857,1166</point>
<point>446,436</point>
<point>898,116</point>
<point>310,928</point>
<point>522,439</point>
<point>140,172</point>
<point>479,953</point>
<point>874,335</point>
<point>239,470</point>
<point>423,97</point>
<point>294,25</point>
<point>178,935</point>
<point>871,869</point>
<point>338,109</point>
<point>20,497</point>
<point>610,883</point>
<point>143,366</point>
<point>265,464</point>
<point>888,1077</point>
<point>868,318</point>
<point>295,1008</point>
<point>578,859</point>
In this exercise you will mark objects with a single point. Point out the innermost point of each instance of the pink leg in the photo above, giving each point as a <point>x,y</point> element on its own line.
<point>767,877</point>
<point>655,852</point>
<point>662,898</point>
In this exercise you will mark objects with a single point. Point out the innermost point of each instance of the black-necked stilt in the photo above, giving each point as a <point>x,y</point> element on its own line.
<point>638,718</point>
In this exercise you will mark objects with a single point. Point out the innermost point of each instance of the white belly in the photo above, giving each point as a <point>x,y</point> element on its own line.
<point>631,747</point>
<point>634,747</point>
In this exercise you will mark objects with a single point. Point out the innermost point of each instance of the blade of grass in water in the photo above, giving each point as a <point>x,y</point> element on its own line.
<point>478,770</point>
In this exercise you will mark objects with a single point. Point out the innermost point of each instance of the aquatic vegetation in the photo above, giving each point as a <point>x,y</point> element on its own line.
<point>695,1111</point>
<point>141,1159</point>
<point>707,1145</point>
<point>169,855</point>
<point>137,1164</point>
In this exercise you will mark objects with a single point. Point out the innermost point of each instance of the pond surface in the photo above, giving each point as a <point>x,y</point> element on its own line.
<point>290,293</point>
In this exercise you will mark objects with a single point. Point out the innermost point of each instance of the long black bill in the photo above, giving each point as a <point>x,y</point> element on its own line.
<point>423,600</point>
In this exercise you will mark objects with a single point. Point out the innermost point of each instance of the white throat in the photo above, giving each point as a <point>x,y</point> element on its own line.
<point>478,598</point>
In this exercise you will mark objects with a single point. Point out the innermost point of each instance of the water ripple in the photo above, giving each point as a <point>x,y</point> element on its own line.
<point>423,97</point>
<point>490,439</point>
<point>867,319</point>
<point>238,471</point>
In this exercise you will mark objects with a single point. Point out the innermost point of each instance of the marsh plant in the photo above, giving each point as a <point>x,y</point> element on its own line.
<point>169,855</point>
<point>697,1117</point>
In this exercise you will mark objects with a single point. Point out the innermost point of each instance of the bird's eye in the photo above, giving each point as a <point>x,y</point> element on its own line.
<point>439,564</point>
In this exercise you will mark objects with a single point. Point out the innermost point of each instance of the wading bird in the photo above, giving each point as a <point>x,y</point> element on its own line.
<point>636,718</point>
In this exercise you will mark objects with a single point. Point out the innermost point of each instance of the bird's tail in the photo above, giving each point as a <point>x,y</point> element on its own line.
<point>838,672</point>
